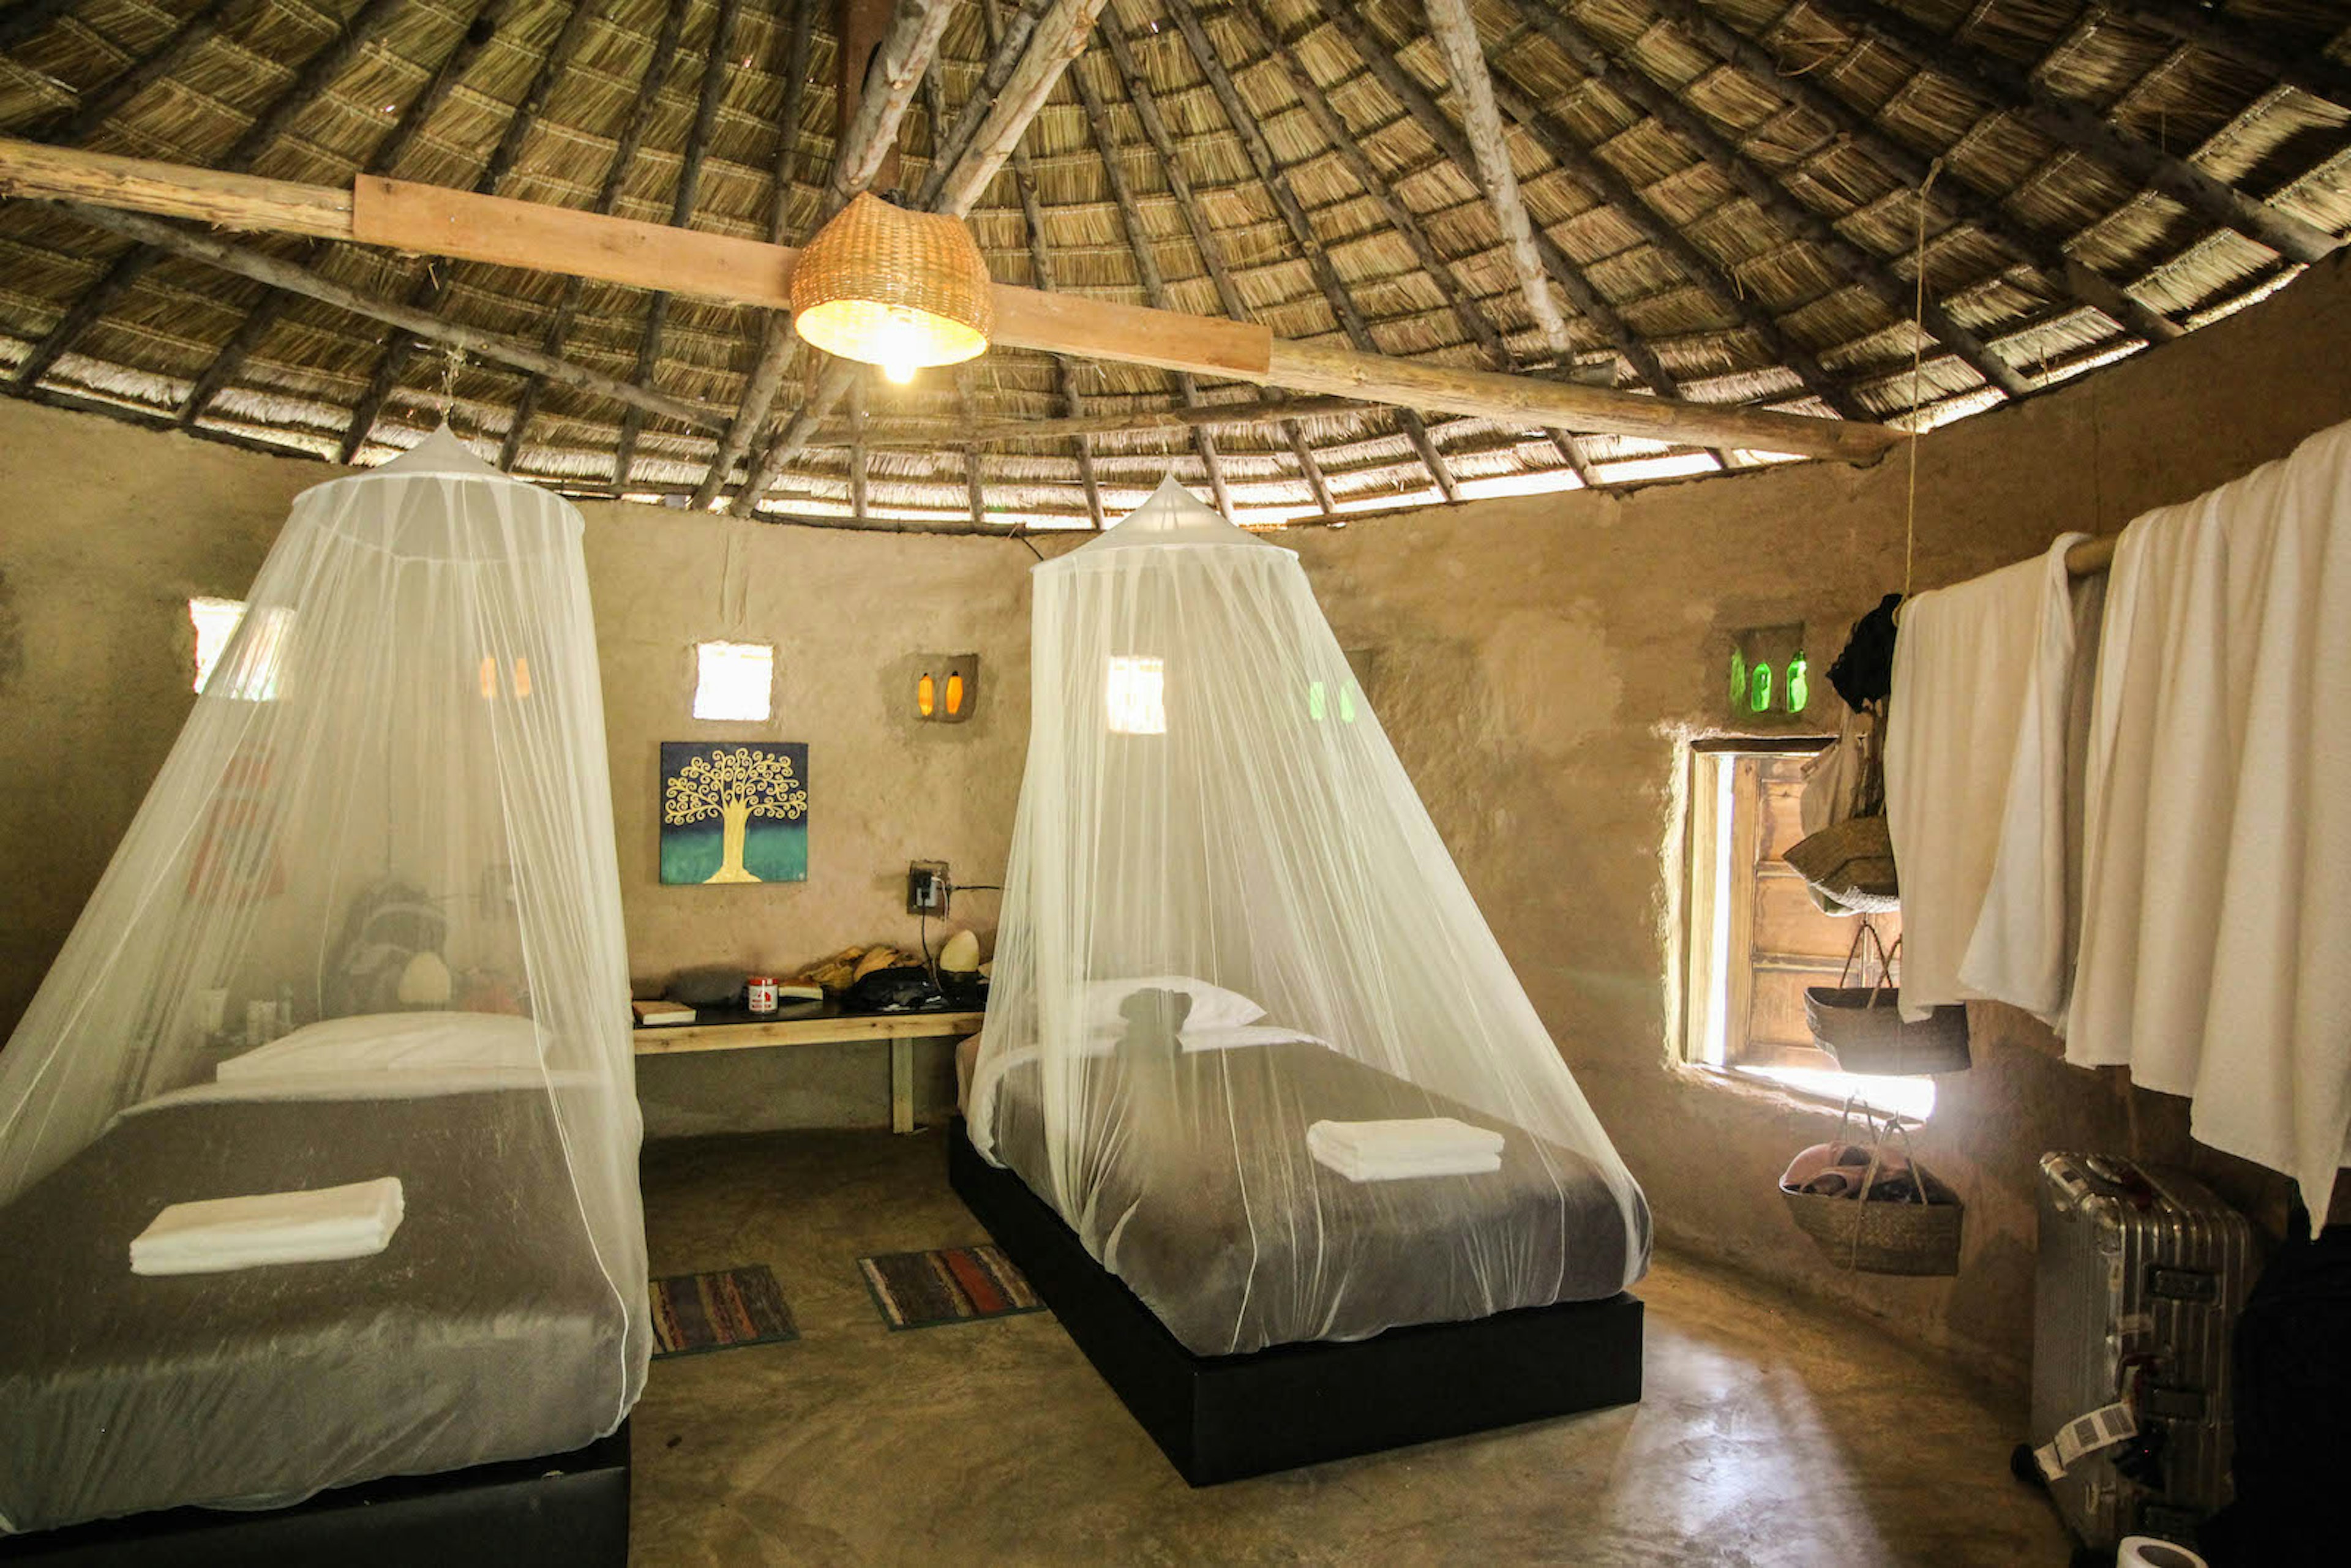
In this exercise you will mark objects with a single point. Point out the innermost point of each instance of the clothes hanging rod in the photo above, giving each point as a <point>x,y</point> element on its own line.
<point>2091,556</point>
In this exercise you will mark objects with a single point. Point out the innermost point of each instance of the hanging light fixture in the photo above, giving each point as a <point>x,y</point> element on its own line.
<point>895,289</point>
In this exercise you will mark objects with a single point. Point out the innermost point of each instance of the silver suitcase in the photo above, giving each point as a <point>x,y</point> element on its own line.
<point>2141,1275</point>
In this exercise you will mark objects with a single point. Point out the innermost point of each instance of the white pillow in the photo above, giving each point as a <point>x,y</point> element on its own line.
<point>394,1042</point>
<point>1212,1005</point>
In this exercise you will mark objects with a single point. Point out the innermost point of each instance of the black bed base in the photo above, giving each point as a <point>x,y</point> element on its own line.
<point>568,1510</point>
<point>1224,1418</point>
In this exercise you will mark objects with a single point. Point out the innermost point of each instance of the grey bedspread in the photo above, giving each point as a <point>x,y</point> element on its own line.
<point>485,1331</point>
<point>1230,1269</point>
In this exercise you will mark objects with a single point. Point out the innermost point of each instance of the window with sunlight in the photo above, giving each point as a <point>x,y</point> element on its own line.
<point>254,676</point>
<point>1756,940</point>
<point>734,681</point>
<point>1137,695</point>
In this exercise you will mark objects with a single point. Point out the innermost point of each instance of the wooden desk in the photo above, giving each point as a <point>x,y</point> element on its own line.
<point>901,1029</point>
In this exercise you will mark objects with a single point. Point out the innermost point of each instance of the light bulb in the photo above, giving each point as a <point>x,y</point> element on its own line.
<point>900,372</point>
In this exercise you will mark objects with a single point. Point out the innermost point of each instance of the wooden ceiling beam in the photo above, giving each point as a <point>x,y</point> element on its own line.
<point>1458,45</point>
<point>1253,414</point>
<point>1379,55</point>
<point>1276,180</point>
<point>2010,87</point>
<point>1955,193</point>
<point>21,21</point>
<point>1059,37</point>
<point>1204,236</point>
<point>316,74</point>
<point>1146,268</point>
<point>434,285</point>
<point>277,273</point>
<point>713,88</point>
<point>638,121</point>
<point>2297,64</point>
<point>777,346</point>
<point>866,144</point>
<point>1041,264</point>
<point>74,126</point>
<point>1857,266</point>
<point>1007,39</point>
<point>273,305</point>
<point>433,221</point>
<point>1588,169</point>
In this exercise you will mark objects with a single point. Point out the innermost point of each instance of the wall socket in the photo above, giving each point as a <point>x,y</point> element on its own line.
<point>926,888</point>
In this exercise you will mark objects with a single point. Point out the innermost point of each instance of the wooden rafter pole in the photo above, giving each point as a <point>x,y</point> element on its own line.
<point>1006,38</point>
<point>244,261</point>
<point>865,145</point>
<point>2010,88</point>
<point>1276,180</point>
<point>1041,264</point>
<point>273,307</point>
<point>1953,192</point>
<point>74,127</point>
<point>1146,269</point>
<point>776,344</point>
<point>22,20</point>
<point>1379,55</point>
<point>1204,236</point>
<point>1440,271</point>
<point>1590,169</point>
<point>2296,64</point>
<point>631,137</point>
<point>1858,266</point>
<point>316,74</point>
<point>1456,32</point>
<point>935,107</point>
<point>1059,37</point>
<point>1253,414</point>
<point>436,221</point>
<point>434,285</point>
<point>708,96</point>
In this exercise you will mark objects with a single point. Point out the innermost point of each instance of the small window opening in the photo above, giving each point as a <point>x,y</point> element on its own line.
<point>734,681</point>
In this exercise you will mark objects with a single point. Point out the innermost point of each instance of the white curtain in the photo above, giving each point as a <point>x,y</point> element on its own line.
<point>1227,917</point>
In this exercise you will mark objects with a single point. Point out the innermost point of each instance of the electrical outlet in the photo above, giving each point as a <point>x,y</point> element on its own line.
<point>926,888</point>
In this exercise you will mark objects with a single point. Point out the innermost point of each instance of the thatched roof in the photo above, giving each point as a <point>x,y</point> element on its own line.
<point>1724,189</point>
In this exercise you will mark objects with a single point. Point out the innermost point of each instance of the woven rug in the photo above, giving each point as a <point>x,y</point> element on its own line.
<point>947,1285</point>
<point>720,1310</point>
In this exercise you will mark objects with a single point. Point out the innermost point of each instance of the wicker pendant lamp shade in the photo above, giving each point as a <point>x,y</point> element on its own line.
<point>895,289</point>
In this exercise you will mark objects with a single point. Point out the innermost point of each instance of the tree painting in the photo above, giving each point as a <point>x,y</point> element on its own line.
<point>734,812</point>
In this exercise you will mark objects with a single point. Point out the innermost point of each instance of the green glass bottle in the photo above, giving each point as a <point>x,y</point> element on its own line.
<point>1738,680</point>
<point>1799,685</point>
<point>1347,704</point>
<point>1314,701</point>
<point>1760,688</point>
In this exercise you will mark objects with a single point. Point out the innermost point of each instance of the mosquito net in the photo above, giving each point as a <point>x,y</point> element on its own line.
<point>358,961</point>
<point>1248,1030</point>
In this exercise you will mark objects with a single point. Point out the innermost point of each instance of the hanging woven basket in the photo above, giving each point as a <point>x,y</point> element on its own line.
<point>892,287</point>
<point>1874,1235</point>
<point>1851,864</point>
<point>1864,1028</point>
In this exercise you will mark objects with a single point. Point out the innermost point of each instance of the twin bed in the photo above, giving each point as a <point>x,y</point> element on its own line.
<point>487,1328</point>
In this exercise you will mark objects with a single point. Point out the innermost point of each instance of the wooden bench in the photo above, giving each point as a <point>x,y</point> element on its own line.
<point>726,1029</point>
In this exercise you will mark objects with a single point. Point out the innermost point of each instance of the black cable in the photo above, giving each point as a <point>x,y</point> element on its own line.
<point>1032,547</point>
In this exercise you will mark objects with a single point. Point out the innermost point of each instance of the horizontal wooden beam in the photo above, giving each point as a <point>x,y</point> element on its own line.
<point>1530,402</point>
<point>1208,416</point>
<point>278,272</point>
<point>433,221</point>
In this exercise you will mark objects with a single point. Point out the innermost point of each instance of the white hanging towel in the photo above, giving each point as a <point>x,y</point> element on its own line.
<point>1400,1150</point>
<point>224,1233</point>
<point>2215,955</point>
<point>1966,661</point>
<point>2022,951</point>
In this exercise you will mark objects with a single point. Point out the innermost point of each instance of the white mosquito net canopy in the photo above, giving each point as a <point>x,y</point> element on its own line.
<point>1248,1030</point>
<point>365,926</point>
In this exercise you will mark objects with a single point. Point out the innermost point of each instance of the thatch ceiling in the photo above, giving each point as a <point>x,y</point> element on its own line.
<point>1723,192</point>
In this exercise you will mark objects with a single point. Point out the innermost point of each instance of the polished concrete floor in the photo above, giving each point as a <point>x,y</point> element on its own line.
<point>1768,1436</point>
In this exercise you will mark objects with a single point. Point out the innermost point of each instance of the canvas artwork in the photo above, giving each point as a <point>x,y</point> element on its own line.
<point>734,812</point>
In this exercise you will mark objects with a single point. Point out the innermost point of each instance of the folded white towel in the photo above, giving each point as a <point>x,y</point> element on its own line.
<point>1401,1150</point>
<point>222,1233</point>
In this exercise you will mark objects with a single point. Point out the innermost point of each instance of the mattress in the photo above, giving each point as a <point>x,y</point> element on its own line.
<point>485,1331</point>
<point>1236,1242</point>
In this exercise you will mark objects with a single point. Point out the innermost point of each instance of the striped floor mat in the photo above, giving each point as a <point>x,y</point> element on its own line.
<point>721,1310</point>
<point>947,1285</point>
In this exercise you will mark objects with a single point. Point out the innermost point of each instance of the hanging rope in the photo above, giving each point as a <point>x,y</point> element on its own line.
<point>453,360</point>
<point>1918,358</point>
